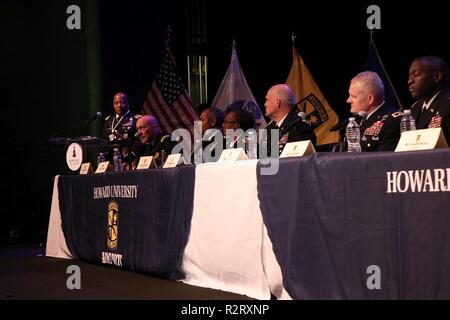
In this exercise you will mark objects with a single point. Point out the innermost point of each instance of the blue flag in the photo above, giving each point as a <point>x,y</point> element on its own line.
<point>374,64</point>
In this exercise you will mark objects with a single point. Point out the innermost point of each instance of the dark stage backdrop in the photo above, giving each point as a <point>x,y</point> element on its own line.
<point>52,78</point>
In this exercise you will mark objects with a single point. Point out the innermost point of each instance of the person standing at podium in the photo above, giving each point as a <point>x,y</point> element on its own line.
<point>428,83</point>
<point>120,127</point>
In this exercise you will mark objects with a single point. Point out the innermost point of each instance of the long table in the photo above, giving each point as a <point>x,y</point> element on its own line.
<point>327,226</point>
<point>220,240</point>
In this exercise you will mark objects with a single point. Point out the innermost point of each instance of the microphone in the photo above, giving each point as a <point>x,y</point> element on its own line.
<point>360,116</point>
<point>301,116</point>
<point>92,119</point>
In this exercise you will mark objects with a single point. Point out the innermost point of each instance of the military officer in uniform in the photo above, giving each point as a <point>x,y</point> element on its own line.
<point>120,126</point>
<point>381,130</point>
<point>280,108</point>
<point>428,83</point>
<point>152,142</point>
<point>119,129</point>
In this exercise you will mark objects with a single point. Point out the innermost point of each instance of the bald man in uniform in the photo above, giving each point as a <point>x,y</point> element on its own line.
<point>280,108</point>
<point>152,141</point>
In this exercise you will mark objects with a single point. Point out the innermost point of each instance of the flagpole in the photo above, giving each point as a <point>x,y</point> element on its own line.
<point>293,38</point>
<point>372,31</point>
<point>168,34</point>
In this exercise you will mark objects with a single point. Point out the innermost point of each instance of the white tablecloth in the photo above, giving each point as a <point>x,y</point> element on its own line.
<point>228,246</point>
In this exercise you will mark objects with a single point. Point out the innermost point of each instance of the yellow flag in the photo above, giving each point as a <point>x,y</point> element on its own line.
<point>311,101</point>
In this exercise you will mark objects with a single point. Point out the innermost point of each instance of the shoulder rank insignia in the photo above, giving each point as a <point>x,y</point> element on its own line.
<point>107,118</point>
<point>374,129</point>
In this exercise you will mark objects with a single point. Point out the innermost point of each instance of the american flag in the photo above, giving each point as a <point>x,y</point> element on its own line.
<point>168,99</point>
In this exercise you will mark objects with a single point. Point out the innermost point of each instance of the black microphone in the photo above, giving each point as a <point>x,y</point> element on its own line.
<point>360,116</point>
<point>301,116</point>
<point>97,115</point>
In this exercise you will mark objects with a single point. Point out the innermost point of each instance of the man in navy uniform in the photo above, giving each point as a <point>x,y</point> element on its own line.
<point>381,130</point>
<point>428,83</point>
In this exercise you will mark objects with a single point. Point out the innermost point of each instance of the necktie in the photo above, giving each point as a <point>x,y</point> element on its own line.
<point>421,118</point>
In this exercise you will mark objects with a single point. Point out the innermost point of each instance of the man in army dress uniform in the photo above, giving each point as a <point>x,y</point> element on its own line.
<point>120,127</point>
<point>428,83</point>
<point>152,141</point>
<point>280,108</point>
<point>381,130</point>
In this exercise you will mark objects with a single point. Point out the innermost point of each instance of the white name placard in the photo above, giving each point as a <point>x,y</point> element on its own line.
<point>86,168</point>
<point>172,161</point>
<point>231,155</point>
<point>298,149</point>
<point>102,167</point>
<point>146,163</point>
<point>424,139</point>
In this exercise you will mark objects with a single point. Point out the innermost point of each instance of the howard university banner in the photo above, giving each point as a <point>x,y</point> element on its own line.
<point>361,226</point>
<point>106,220</point>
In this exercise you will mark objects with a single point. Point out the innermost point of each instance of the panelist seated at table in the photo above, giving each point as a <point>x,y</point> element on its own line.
<point>380,131</point>
<point>211,118</point>
<point>234,120</point>
<point>212,121</point>
<point>428,82</point>
<point>152,142</point>
<point>280,108</point>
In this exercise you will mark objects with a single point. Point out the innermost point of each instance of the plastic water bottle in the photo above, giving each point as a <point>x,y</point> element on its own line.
<point>353,135</point>
<point>117,159</point>
<point>407,122</point>
<point>101,158</point>
<point>251,145</point>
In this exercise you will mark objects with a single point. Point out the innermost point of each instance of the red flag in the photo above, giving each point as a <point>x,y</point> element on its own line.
<point>168,99</point>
